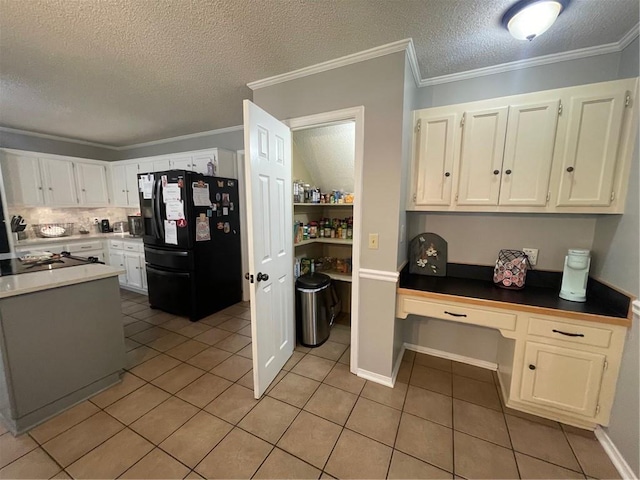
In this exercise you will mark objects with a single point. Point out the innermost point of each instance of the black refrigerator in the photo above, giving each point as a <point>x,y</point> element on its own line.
<point>191,242</point>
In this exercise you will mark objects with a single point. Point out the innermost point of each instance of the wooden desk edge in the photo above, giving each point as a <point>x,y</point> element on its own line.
<point>624,322</point>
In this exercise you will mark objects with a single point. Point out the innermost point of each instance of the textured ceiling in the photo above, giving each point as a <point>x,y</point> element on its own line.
<point>120,72</point>
<point>328,154</point>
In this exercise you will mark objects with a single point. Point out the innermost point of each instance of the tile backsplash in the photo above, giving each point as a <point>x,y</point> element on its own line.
<point>78,216</point>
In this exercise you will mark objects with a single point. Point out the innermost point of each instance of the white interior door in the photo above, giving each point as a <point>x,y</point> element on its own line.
<point>267,144</point>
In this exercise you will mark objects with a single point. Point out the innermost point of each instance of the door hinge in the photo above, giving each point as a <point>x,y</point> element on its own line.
<point>613,196</point>
<point>548,196</point>
<point>597,409</point>
<point>462,119</point>
<point>456,197</point>
<point>249,277</point>
<point>560,109</point>
<point>414,198</point>
<point>418,126</point>
<point>605,366</point>
<point>627,100</point>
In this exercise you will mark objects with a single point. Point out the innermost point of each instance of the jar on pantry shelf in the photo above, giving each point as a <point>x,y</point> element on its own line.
<point>306,188</point>
<point>313,229</point>
<point>305,232</point>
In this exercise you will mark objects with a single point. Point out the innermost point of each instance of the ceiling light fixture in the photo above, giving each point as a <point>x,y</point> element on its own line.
<point>527,19</point>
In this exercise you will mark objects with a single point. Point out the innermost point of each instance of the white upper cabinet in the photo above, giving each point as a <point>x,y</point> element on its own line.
<point>591,148</point>
<point>59,182</point>
<point>181,163</point>
<point>567,150</point>
<point>119,185</point>
<point>22,180</point>
<point>92,184</point>
<point>434,160</point>
<point>125,185</point>
<point>481,156</point>
<point>528,153</point>
<point>162,164</point>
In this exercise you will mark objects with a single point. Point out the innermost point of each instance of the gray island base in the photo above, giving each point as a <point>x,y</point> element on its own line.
<point>59,346</point>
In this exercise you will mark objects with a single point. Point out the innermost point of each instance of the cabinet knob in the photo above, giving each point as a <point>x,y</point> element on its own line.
<point>39,188</point>
<point>569,169</point>
<point>447,174</point>
<point>532,367</point>
<point>508,172</point>
<point>496,172</point>
<point>50,188</point>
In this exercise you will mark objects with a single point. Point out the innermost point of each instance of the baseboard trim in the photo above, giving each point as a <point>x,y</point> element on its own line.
<point>452,356</point>
<point>375,377</point>
<point>614,454</point>
<point>396,367</point>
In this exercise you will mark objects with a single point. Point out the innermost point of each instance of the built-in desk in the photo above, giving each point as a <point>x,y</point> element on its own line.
<point>556,359</point>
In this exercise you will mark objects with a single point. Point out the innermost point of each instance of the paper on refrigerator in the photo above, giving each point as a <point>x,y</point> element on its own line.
<point>170,232</point>
<point>145,185</point>
<point>175,210</point>
<point>171,192</point>
<point>201,196</point>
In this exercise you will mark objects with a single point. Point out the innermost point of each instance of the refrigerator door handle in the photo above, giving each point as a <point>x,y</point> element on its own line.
<point>156,210</point>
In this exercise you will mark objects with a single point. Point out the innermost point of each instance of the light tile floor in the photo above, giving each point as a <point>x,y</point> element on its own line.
<point>185,409</point>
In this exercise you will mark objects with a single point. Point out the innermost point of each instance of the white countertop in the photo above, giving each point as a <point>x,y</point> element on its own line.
<point>12,285</point>
<point>78,238</point>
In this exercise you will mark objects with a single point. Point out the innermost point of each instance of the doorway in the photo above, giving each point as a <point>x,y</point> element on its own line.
<point>334,126</point>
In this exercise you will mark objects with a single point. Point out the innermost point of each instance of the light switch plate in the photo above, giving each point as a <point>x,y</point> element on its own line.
<point>373,241</point>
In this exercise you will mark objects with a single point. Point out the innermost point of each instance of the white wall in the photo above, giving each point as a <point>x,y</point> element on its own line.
<point>617,248</point>
<point>476,238</point>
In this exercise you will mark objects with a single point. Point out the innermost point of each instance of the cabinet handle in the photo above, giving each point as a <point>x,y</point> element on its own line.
<point>456,314</point>
<point>532,367</point>
<point>496,172</point>
<point>447,174</point>
<point>568,334</point>
<point>569,169</point>
<point>508,172</point>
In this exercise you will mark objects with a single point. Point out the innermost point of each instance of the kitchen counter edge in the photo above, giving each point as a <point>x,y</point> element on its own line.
<point>14,285</point>
<point>76,238</point>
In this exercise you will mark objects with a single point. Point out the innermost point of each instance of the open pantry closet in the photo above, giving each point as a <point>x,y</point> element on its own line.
<point>323,160</point>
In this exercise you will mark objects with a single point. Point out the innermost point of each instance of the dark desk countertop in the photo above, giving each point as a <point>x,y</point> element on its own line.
<point>541,290</point>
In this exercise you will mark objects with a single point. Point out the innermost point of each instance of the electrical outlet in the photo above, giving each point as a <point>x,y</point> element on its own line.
<point>373,241</point>
<point>532,253</point>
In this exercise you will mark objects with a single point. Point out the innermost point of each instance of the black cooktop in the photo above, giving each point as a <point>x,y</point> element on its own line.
<point>14,266</point>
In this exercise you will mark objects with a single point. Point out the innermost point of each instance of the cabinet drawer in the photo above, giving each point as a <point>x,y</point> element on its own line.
<point>462,314</point>
<point>81,247</point>
<point>116,244</point>
<point>133,247</point>
<point>570,332</point>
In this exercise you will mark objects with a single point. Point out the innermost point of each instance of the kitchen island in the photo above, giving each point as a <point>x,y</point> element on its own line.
<point>61,340</point>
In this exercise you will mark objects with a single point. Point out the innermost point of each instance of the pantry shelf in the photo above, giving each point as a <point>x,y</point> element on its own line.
<point>323,204</point>
<point>333,241</point>
<point>343,277</point>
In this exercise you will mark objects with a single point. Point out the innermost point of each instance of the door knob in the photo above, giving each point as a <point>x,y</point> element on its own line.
<point>262,276</point>
<point>532,367</point>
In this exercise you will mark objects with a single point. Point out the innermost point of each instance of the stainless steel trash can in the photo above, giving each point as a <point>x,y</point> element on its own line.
<point>314,309</point>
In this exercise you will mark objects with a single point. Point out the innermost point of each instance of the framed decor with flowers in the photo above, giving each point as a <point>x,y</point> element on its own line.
<point>428,255</point>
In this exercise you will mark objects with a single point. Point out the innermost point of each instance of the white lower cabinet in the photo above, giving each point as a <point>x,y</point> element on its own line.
<point>133,264</point>
<point>562,378</point>
<point>129,255</point>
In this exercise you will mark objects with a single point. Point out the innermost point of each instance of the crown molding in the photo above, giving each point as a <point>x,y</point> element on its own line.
<point>399,46</point>
<point>412,58</point>
<point>614,47</point>
<point>630,36</point>
<point>56,137</point>
<point>183,137</point>
<point>126,147</point>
